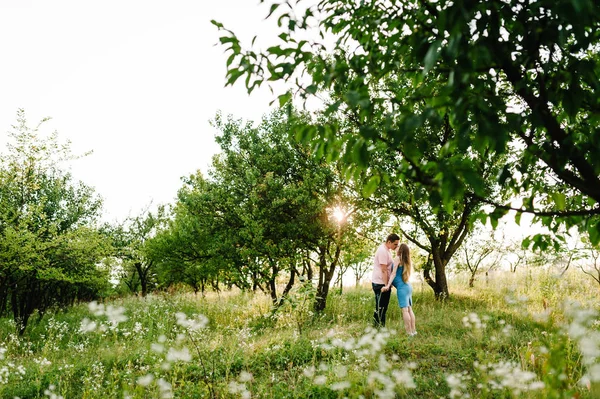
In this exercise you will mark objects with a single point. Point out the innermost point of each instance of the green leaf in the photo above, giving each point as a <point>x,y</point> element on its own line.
<point>353,98</point>
<point>333,108</point>
<point>217,24</point>
<point>594,232</point>
<point>518,218</point>
<point>311,89</point>
<point>305,133</point>
<point>285,98</point>
<point>231,58</point>
<point>360,153</point>
<point>371,186</point>
<point>272,10</point>
<point>559,201</point>
<point>432,55</point>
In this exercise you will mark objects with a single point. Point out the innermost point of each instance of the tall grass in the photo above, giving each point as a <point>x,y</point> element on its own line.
<point>516,335</point>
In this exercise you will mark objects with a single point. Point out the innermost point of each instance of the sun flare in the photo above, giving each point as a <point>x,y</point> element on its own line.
<point>339,214</point>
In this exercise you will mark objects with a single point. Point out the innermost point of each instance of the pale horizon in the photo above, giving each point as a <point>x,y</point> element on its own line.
<point>135,82</point>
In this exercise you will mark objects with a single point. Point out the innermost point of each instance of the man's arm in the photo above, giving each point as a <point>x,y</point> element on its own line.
<point>385,274</point>
<point>390,278</point>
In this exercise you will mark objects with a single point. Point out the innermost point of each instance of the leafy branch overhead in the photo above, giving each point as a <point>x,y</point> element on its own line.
<point>515,80</point>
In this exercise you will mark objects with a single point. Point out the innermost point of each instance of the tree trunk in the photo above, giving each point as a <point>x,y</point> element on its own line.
<point>24,300</point>
<point>143,275</point>
<point>273,291</point>
<point>440,285</point>
<point>325,276</point>
<point>472,280</point>
<point>287,288</point>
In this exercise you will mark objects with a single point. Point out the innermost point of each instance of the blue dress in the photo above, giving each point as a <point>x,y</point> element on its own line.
<point>403,290</point>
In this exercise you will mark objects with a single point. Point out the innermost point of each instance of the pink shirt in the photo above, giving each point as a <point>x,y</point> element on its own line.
<point>382,257</point>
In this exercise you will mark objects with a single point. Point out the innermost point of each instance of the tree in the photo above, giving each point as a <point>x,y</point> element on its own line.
<point>275,197</point>
<point>131,240</point>
<point>360,258</point>
<point>522,75</point>
<point>356,257</point>
<point>438,226</point>
<point>264,213</point>
<point>479,247</point>
<point>49,250</point>
<point>591,264</point>
<point>191,248</point>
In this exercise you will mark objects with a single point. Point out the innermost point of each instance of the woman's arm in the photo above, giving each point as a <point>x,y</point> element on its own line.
<point>388,286</point>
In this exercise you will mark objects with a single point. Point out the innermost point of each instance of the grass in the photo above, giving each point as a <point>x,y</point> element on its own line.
<point>511,337</point>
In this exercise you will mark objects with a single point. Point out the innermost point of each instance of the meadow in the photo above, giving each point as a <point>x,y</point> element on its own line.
<point>530,334</point>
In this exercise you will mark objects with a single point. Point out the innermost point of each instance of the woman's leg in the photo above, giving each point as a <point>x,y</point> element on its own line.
<point>413,327</point>
<point>407,321</point>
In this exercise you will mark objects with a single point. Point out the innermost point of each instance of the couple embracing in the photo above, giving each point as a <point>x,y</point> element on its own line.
<point>388,272</point>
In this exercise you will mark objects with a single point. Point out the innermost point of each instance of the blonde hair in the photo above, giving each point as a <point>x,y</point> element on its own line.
<point>404,256</point>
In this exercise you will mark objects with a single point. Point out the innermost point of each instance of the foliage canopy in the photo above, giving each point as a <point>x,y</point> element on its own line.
<point>515,79</point>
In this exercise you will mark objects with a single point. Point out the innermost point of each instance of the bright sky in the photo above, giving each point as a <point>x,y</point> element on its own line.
<point>136,81</point>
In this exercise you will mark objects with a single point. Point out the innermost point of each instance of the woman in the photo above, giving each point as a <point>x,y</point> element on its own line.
<point>399,278</point>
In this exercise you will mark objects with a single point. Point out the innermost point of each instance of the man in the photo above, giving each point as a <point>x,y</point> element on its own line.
<point>382,267</point>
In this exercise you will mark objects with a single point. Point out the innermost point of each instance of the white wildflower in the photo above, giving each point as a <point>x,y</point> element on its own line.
<point>87,325</point>
<point>576,330</point>
<point>165,388</point>
<point>340,386</point>
<point>457,383</point>
<point>594,373</point>
<point>96,308</point>
<point>191,324</point>
<point>320,380</point>
<point>589,346</point>
<point>309,372</point>
<point>183,354</point>
<point>145,380</point>
<point>236,387</point>
<point>507,330</point>
<point>473,321</point>
<point>158,348</point>
<point>384,365</point>
<point>245,376</point>
<point>404,377</point>
<point>341,371</point>
<point>138,328</point>
<point>43,362</point>
<point>116,314</point>
<point>50,392</point>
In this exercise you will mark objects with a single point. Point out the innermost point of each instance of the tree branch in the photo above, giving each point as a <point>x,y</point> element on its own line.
<point>582,212</point>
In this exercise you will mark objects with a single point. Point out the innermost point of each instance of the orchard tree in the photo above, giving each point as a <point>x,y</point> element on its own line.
<point>357,258</point>
<point>193,249</point>
<point>265,211</point>
<point>511,77</point>
<point>435,224</point>
<point>131,239</point>
<point>280,197</point>
<point>480,252</point>
<point>273,196</point>
<point>49,247</point>
<point>590,265</point>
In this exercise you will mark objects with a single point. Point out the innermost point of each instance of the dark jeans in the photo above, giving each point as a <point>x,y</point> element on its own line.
<point>382,300</point>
